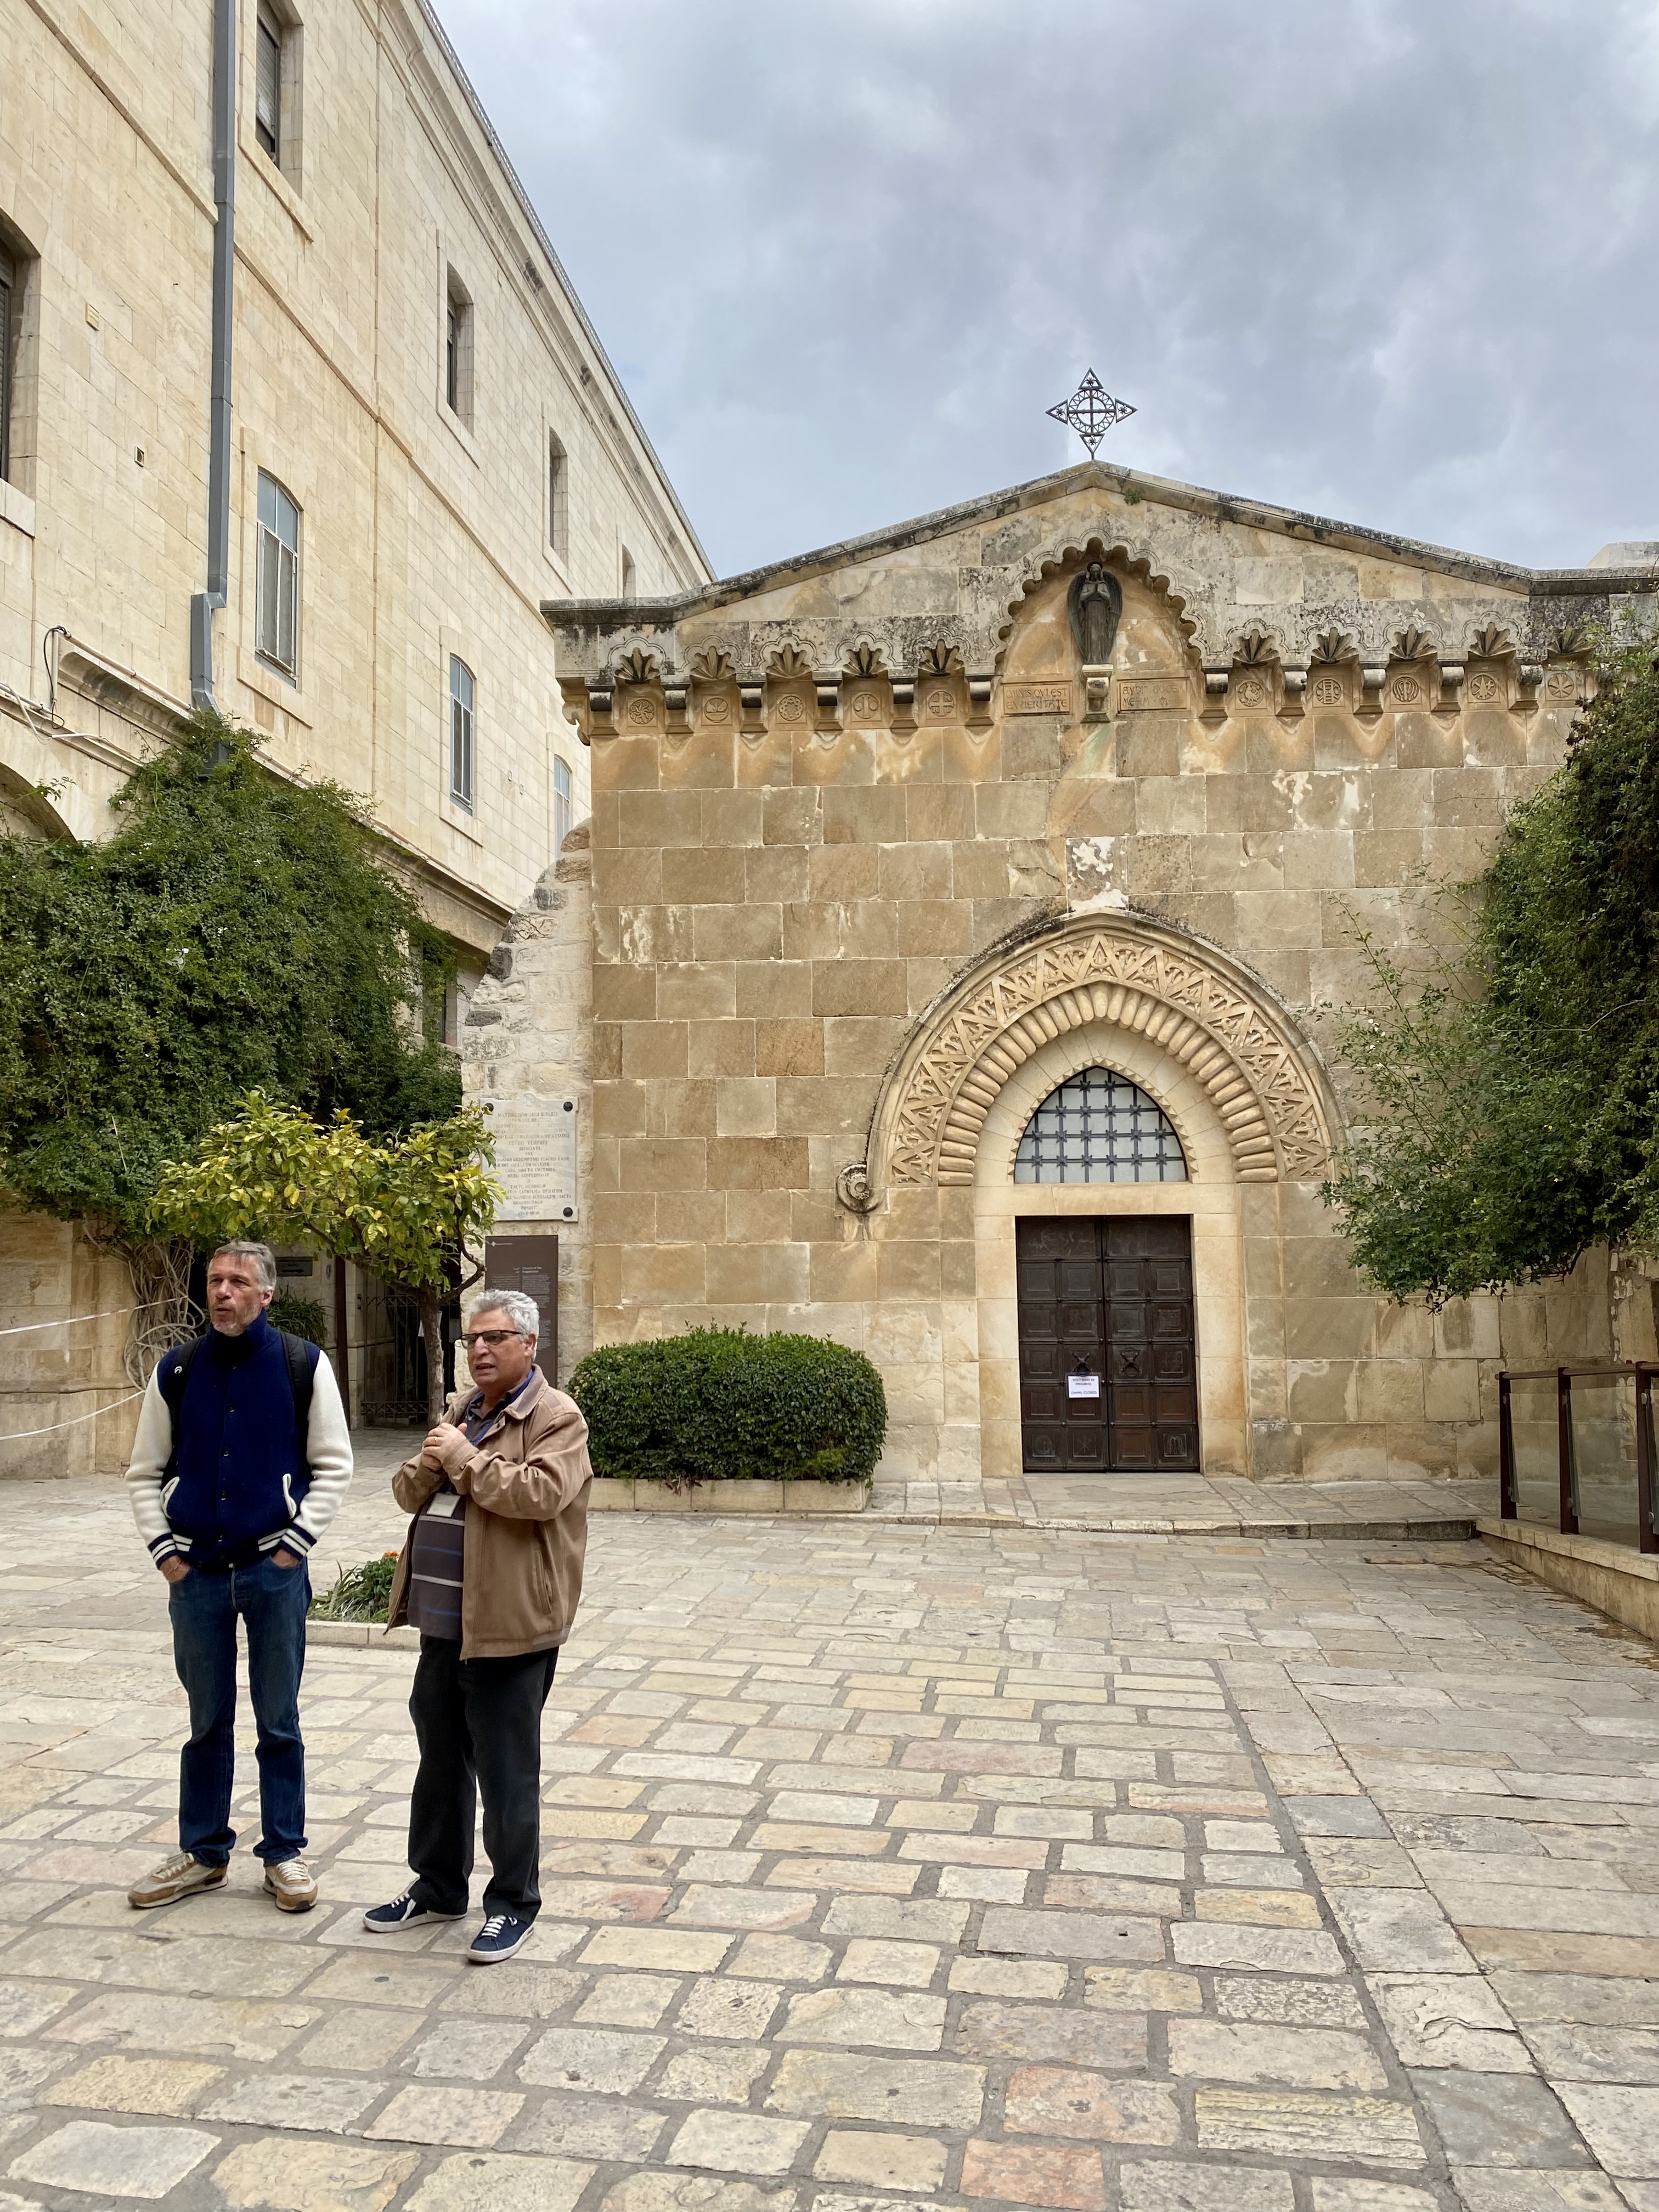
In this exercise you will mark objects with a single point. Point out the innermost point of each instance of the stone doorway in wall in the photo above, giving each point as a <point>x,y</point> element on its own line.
<point>1107,1347</point>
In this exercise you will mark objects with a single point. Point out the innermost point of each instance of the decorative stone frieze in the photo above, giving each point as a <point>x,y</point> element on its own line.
<point>1195,1004</point>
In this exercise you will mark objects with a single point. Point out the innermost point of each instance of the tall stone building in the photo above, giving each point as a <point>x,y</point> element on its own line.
<point>957,899</point>
<point>335,505</point>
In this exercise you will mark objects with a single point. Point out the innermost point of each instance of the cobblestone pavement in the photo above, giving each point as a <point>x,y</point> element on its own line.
<point>882,1865</point>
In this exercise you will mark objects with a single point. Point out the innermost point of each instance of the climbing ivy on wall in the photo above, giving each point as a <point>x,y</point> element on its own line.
<point>237,931</point>
<point>1511,1080</point>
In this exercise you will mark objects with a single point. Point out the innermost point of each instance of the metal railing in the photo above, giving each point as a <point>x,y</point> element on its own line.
<point>1647,1534</point>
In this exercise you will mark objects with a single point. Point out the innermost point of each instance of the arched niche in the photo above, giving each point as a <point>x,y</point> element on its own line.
<point>1212,1197</point>
<point>1200,1009</point>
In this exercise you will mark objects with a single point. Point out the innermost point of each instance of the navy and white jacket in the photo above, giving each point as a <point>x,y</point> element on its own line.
<point>243,1479</point>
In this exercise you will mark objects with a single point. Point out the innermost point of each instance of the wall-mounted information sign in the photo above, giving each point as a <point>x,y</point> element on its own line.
<point>535,1156</point>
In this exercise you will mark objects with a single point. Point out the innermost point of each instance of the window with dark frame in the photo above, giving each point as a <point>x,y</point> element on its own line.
<point>561,803</point>
<point>558,497</point>
<point>277,581</point>
<point>8,330</point>
<point>268,86</point>
<point>458,350</point>
<point>462,698</point>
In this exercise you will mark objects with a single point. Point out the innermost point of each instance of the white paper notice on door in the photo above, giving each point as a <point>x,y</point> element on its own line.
<point>1083,1386</point>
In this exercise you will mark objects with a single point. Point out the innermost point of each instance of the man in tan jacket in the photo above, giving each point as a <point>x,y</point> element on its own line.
<point>491,1576</point>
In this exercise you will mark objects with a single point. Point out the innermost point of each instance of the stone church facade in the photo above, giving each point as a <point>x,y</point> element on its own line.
<point>1021,843</point>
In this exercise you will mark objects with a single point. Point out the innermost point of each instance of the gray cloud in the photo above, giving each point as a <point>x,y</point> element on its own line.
<point>1392,260</point>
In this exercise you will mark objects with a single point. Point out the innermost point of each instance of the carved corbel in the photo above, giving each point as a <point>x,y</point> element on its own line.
<point>751,701</point>
<point>676,697</point>
<point>826,692</point>
<point>904,706</point>
<point>1216,681</point>
<point>1372,682</point>
<point>979,698</point>
<point>600,722</point>
<point>1293,696</point>
<point>853,1188</point>
<point>1097,694</point>
<point>1449,704</point>
<point>1528,678</point>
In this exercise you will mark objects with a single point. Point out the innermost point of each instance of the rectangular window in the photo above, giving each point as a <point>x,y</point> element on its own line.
<point>276,580</point>
<point>561,804</point>
<point>268,86</point>
<point>461,696</point>
<point>8,330</point>
<point>558,497</point>
<point>458,350</point>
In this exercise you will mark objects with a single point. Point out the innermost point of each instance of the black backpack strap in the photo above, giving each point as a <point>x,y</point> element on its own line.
<point>175,1373</point>
<point>301,1373</point>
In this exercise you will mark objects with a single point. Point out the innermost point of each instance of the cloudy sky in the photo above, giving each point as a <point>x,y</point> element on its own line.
<point>1391,260</point>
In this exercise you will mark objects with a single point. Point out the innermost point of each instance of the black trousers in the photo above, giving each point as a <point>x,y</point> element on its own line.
<point>478,1723</point>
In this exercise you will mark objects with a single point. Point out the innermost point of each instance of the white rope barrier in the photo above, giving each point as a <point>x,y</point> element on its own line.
<point>111,1313</point>
<point>16,1435</point>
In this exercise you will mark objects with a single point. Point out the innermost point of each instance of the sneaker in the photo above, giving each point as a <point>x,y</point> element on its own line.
<point>502,1935</point>
<point>292,1883</point>
<point>181,1875</point>
<point>402,1912</point>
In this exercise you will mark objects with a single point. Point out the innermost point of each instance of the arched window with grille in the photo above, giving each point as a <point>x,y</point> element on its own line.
<point>1097,1126</point>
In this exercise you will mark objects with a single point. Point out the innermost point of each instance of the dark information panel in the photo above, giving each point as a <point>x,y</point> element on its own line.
<point>530,1264</point>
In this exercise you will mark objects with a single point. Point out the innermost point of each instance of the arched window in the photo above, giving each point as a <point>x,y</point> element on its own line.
<point>1099,1127</point>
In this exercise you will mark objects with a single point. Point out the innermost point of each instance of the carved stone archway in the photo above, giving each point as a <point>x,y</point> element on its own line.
<point>1188,998</point>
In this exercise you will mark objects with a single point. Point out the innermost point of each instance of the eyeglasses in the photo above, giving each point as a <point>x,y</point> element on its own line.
<point>490,1336</point>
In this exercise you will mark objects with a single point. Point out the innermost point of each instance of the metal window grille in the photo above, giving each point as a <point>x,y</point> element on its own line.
<point>8,294</point>
<point>268,87</point>
<point>461,699</point>
<point>276,580</point>
<point>558,497</point>
<point>453,359</point>
<point>1099,1127</point>
<point>561,804</point>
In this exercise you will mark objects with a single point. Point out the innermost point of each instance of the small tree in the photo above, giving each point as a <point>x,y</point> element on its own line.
<point>407,1209</point>
<point>1511,1111</point>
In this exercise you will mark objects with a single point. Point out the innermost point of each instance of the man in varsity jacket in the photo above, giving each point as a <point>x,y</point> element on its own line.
<point>241,1460</point>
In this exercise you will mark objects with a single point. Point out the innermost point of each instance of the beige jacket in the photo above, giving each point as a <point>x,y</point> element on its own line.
<point>526,1482</point>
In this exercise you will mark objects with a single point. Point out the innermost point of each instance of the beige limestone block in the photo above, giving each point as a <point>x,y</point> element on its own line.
<point>286,2174</point>
<point>170,2086</point>
<point>496,2182</point>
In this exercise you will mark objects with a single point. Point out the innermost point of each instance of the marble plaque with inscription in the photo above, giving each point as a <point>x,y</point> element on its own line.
<point>535,1156</point>
<point>1147,695</point>
<point>1037,699</point>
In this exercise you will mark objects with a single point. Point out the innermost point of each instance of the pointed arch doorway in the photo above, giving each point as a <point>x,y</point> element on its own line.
<point>1107,1344</point>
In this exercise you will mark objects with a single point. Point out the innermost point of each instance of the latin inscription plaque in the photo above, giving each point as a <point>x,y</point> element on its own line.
<point>535,1156</point>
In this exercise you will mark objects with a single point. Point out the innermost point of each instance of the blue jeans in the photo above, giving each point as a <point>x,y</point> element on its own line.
<point>273,1600</point>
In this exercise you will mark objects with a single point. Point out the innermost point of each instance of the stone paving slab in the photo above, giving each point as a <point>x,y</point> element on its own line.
<point>1005,1868</point>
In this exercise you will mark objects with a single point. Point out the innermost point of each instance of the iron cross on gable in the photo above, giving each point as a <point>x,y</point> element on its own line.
<point>1091,412</point>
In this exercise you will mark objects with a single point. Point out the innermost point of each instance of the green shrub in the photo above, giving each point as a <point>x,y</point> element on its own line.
<point>718,1404</point>
<point>298,1316</point>
<point>358,1593</point>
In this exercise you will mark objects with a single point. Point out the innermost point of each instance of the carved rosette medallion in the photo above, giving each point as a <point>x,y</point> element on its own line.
<point>1239,1047</point>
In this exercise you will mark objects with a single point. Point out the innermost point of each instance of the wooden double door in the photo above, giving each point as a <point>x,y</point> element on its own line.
<point>1107,1352</point>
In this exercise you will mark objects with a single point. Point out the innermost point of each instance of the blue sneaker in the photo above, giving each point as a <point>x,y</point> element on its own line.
<point>502,1935</point>
<point>402,1912</point>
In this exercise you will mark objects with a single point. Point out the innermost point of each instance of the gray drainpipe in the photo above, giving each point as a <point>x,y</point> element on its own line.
<point>204,605</point>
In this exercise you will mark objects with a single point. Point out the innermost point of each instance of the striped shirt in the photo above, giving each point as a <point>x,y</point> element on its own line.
<point>437,1560</point>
